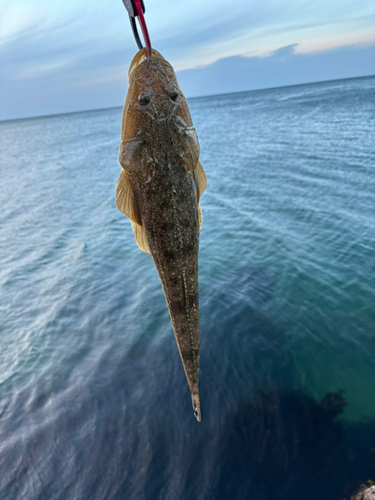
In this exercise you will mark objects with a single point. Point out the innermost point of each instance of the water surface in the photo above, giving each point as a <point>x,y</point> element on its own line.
<point>93,398</point>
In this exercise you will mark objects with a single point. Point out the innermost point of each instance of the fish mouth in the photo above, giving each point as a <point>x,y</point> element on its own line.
<point>140,57</point>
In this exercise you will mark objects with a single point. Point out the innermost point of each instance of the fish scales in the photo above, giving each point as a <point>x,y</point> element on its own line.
<point>159,190</point>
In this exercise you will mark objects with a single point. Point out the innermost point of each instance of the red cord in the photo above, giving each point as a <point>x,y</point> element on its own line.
<point>142,22</point>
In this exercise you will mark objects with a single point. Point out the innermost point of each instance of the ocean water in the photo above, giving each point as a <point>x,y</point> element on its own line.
<point>93,398</point>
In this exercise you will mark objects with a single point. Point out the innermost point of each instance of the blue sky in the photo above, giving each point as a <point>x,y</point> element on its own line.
<point>59,56</point>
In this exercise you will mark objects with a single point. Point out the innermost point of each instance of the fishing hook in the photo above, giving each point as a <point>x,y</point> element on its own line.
<point>136,8</point>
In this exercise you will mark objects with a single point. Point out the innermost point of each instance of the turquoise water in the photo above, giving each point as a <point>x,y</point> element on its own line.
<point>93,398</point>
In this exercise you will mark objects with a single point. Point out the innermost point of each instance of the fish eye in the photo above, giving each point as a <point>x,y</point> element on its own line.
<point>143,98</point>
<point>173,94</point>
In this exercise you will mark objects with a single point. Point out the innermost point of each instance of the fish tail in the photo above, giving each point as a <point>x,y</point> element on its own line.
<point>196,403</point>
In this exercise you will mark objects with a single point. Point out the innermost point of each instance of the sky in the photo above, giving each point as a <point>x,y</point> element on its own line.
<point>68,55</point>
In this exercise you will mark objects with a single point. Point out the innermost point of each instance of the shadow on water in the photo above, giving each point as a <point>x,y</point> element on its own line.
<point>128,431</point>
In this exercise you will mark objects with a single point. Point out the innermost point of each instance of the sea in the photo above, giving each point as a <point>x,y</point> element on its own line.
<point>94,404</point>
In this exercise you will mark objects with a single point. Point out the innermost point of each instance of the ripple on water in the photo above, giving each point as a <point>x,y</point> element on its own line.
<point>93,398</point>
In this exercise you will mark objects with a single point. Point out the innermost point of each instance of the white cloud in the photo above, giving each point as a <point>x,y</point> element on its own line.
<point>76,43</point>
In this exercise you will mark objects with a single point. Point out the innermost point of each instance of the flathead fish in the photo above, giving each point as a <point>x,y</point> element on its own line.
<point>159,188</point>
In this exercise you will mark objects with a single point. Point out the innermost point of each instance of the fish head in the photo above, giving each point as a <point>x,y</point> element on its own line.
<point>156,119</point>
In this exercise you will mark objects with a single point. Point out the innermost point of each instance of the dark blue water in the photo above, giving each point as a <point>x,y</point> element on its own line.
<point>93,398</point>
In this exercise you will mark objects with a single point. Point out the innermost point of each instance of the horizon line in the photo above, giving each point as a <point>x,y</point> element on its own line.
<point>188,98</point>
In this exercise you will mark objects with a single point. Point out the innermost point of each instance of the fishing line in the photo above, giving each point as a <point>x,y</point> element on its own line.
<point>136,8</point>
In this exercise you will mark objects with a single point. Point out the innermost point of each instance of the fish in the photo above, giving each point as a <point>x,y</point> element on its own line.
<point>159,188</point>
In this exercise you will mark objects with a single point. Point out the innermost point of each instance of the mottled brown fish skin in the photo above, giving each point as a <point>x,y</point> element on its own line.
<point>159,152</point>
<point>170,217</point>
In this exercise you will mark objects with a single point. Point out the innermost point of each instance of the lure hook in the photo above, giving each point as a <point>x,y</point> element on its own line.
<point>136,8</point>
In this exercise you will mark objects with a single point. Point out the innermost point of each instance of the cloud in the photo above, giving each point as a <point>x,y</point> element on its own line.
<point>284,53</point>
<point>68,55</point>
<point>283,67</point>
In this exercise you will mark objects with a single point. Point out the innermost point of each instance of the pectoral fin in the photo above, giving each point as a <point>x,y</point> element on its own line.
<point>126,200</point>
<point>140,237</point>
<point>200,216</point>
<point>200,184</point>
<point>200,179</point>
